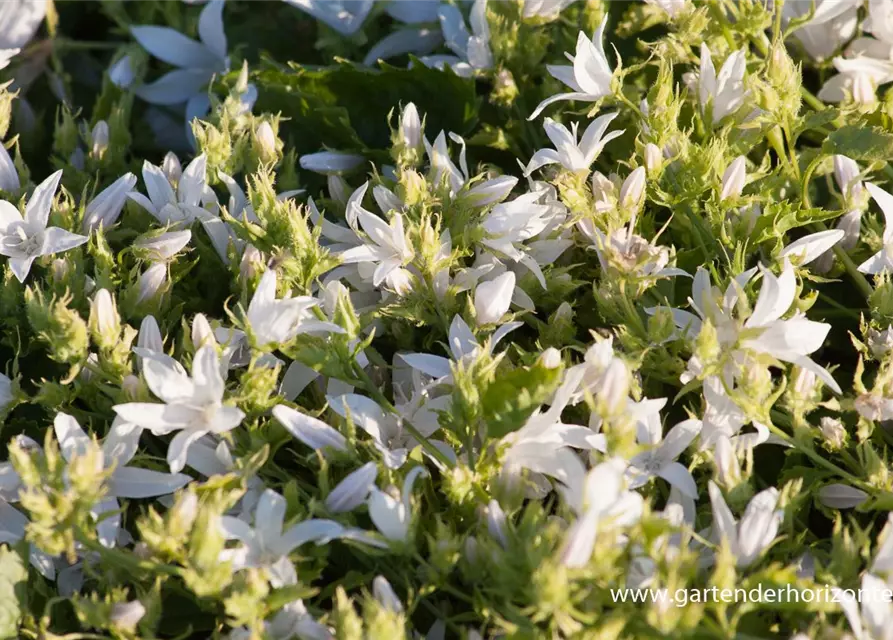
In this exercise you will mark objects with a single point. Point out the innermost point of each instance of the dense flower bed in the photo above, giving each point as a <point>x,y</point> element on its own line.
<point>354,319</point>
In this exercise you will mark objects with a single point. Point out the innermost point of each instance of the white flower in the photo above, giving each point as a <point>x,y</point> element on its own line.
<point>267,544</point>
<point>19,21</point>
<point>330,162</point>
<point>808,248</point>
<point>278,320</point>
<point>831,26</point>
<point>353,491</point>
<point>870,617</point>
<point>883,260</point>
<point>755,532</point>
<point>546,9</point>
<point>858,79</point>
<point>492,298</point>
<point>472,49</point>
<point>162,247</point>
<point>391,515</point>
<point>570,154</point>
<point>105,209</point>
<point>291,621</point>
<point>24,239</point>
<point>660,460</point>
<point>198,62</point>
<point>13,524</point>
<point>386,429</point>
<point>544,445</point>
<point>384,593</point>
<point>733,179</point>
<point>463,347</point>
<point>193,405</point>
<point>124,482</point>
<point>764,331</point>
<point>187,204</point>
<point>599,500</point>
<point>315,433</point>
<point>589,77</point>
<point>9,176</point>
<point>151,282</point>
<point>344,16</point>
<point>726,93</point>
<point>386,249</point>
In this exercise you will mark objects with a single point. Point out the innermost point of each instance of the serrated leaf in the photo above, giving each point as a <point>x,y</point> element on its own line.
<point>860,143</point>
<point>13,582</point>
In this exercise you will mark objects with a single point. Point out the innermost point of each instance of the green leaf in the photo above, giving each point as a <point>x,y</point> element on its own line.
<point>860,143</point>
<point>13,583</point>
<point>346,106</point>
<point>780,217</point>
<point>514,395</point>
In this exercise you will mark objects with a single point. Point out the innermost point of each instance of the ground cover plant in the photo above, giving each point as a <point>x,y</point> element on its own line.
<point>423,319</point>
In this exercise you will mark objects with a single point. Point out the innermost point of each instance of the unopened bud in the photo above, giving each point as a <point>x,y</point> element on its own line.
<point>252,262</point>
<point>131,386</point>
<point>551,358</point>
<point>654,159</point>
<point>338,189</point>
<point>632,192</point>
<point>833,432</point>
<point>171,167</point>
<point>105,323</point>
<point>410,127</point>
<point>151,282</point>
<point>733,179</point>
<point>615,385</point>
<point>384,593</point>
<point>202,333</point>
<point>99,139</point>
<point>266,143</point>
<point>124,616</point>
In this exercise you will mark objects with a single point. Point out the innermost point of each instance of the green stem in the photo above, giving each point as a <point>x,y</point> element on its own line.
<point>815,457</point>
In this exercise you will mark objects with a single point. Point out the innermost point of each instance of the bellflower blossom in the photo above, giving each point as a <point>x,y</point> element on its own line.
<point>569,153</point>
<point>588,75</point>
<point>24,239</point>
<point>197,62</point>
<point>193,406</point>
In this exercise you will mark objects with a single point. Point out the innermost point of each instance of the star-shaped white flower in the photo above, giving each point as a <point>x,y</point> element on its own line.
<point>589,77</point>
<point>24,239</point>
<point>570,153</point>
<point>193,406</point>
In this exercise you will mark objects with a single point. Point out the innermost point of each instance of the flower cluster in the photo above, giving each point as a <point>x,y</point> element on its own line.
<point>565,298</point>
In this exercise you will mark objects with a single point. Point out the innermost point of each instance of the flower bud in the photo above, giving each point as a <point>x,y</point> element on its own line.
<point>338,189</point>
<point>411,128</point>
<point>152,282</point>
<point>841,496</point>
<point>122,73</point>
<point>615,386</point>
<point>863,89</point>
<point>733,179</point>
<point>384,593</point>
<point>654,159</point>
<point>105,209</point>
<point>266,143</point>
<point>833,432</point>
<point>551,358</point>
<point>163,247</point>
<point>202,333</point>
<point>124,616</point>
<point>496,523</point>
<point>330,162</point>
<point>131,386</point>
<point>632,192</point>
<point>252,262</point>
<point>60,269</point>
<point>150,335</point>
<point>99,139</point>
<point>171,167</point>
<point>105,323</point>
